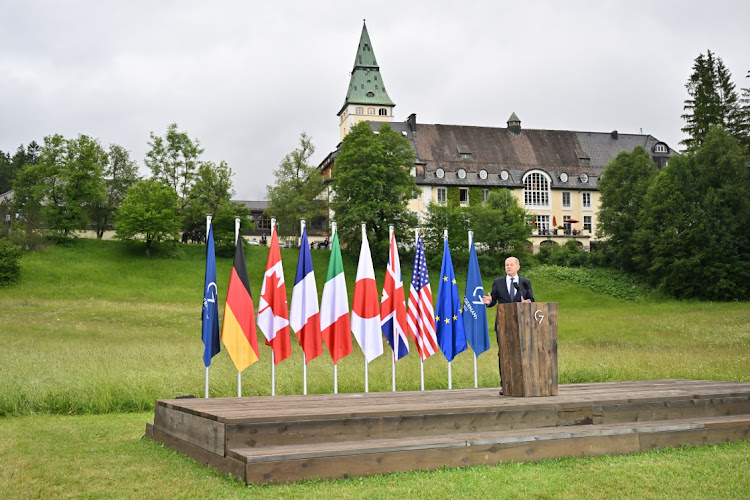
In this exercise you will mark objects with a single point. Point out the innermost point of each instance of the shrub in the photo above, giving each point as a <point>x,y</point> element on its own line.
<point>568,255</point>
<point>10,269</point>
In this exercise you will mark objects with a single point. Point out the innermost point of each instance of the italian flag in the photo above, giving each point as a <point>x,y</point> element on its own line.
<point>334,307</point>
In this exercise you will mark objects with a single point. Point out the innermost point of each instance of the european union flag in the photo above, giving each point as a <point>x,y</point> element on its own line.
<point>475,312</point>
<point>210,334</point>
<point>450,326</point>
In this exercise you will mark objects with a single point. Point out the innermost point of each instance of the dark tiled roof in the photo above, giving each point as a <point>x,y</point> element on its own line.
<point>255,206</point>
<point>497,150</point>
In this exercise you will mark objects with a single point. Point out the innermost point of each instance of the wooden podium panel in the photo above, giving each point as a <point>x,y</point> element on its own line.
<point>527,340</point>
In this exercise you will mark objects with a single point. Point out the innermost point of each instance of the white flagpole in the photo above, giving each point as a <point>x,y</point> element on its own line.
<point>450,374</point>
<point>273,354</point>
<point>471,239</point>
<point>335,365</point>
<point>236,239</point>
<point>421,340</point>
<point>304,356</point>
<point>208,228</point>
<point>367,381</point>
<point>393,332</point>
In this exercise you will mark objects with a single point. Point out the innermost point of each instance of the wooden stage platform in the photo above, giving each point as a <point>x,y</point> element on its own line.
<point>287,438</point>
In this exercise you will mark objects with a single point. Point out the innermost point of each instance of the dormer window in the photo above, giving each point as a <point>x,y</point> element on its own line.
<point>463,152</point>
<point>661,148</point>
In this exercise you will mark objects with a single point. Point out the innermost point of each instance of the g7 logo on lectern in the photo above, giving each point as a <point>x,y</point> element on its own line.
<point>539,316</point>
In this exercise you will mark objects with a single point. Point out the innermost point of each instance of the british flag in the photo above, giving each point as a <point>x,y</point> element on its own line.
<point>392,306</point>
<point>420,315</point>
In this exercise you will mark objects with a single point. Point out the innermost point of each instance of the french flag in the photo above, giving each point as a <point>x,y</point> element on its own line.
<point>304,316</point>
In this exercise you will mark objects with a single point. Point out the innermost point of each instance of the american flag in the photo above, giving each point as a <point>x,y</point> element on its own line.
<point>420,316</point>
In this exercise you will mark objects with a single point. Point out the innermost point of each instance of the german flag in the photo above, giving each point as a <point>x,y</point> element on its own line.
<point>238,327</point>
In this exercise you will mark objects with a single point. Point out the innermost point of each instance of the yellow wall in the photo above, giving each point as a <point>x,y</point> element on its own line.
<point>576,210</point>
<point>349,117</point>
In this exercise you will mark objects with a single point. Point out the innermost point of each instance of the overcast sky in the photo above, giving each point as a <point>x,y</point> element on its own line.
<point>246,78</point>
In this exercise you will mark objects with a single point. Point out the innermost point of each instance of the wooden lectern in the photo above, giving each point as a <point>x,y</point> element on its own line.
<point>527,340</point>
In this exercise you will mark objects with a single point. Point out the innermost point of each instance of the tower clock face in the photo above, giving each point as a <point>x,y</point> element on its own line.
<point>439,173</point>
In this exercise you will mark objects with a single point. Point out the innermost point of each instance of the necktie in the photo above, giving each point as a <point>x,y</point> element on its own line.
<point>512,292</point>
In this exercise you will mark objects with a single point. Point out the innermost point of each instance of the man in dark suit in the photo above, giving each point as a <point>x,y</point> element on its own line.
<point>510,288</point>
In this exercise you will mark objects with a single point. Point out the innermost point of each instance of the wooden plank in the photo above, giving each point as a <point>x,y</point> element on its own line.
<point>198,431</point>
<point>281,408</point>
<point>344,461</point>
<point>317,431</point>
<point>225,465</point>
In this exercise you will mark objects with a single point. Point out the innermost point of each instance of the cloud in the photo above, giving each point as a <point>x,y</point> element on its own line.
<point>246,79</point>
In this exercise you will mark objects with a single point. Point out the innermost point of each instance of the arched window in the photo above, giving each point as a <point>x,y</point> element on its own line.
<point>360,110</point>
<point>536,189</point>
<point>370,111</point>
<point>383,112</point>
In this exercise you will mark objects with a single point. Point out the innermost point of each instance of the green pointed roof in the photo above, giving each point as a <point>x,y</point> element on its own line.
<point>366,84</point>
<point>513,118</point>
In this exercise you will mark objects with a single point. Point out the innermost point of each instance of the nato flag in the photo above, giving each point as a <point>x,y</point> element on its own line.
<point>210,334</point>
<point>475,312</point>
<point>449,324</point>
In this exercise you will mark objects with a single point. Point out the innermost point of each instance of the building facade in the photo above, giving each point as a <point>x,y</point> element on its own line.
<point>554,174</point>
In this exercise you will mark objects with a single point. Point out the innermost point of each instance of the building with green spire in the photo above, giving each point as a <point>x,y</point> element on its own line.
<point>366,97</point>
<point>553,173</point>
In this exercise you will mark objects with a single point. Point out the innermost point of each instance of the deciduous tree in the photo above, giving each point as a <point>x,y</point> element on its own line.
<point>296,192</point>
<point>623,188</point>
<point>149,212</point>
<point>120,173</point>
<point>694,223</point>
<point>173,159</point>
<point>372,184</point>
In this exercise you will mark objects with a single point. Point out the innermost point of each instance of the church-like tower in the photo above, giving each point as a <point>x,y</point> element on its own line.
<point>366,97</point>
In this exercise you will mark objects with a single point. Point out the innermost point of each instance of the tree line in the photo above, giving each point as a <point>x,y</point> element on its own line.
<point>686,228</point>
<point>66,185</point>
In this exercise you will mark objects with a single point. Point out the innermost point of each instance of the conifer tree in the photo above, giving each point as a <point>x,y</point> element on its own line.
<point>712,100</point>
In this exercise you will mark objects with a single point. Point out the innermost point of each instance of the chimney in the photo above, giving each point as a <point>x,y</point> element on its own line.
<point>614,135</point>
<point>412,122</point>
<point>514,125</point>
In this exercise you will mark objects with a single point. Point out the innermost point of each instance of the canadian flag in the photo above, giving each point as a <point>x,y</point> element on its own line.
<point>273,313</point>
<point>365,306</point>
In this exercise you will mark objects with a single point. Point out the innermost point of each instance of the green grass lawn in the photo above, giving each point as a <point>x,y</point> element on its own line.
<point>95,332</point>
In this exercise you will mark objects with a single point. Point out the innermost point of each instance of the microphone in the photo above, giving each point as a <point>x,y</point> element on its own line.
<point>515,285</point>
<point>525,287</point>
